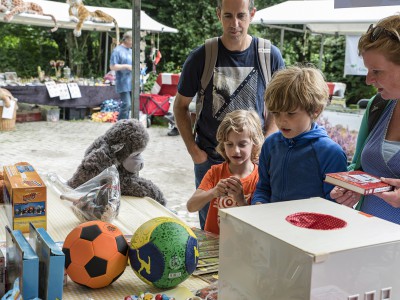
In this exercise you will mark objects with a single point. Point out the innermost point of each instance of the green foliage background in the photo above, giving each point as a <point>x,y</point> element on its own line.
<point>23,48</point>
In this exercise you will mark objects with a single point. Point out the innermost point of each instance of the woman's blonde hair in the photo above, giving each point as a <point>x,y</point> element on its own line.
<point>237,121</point>
<point>297,87</point>
<point>387,41</point>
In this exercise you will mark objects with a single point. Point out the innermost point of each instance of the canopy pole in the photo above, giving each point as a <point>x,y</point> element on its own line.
<point>106,56</point>
<point>136,58</point>
<point>321,51</point>
<point>282,37</point>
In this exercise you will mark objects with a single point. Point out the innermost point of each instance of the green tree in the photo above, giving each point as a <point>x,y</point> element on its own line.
<point>23,48</point>
<point>195,20</point>
<point>305,48</point>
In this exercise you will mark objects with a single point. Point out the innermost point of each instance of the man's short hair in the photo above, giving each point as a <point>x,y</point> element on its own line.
<point>127,35</point>
<point>251,4</point>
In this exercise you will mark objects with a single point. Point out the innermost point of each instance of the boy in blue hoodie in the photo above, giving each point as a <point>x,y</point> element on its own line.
<point>293,161</point>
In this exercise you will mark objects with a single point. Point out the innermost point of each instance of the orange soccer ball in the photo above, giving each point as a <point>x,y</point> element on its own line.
<point>96,254</point>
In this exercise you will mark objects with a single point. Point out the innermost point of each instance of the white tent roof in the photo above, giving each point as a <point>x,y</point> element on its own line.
<point>321,16</point>
<point>60,12</point>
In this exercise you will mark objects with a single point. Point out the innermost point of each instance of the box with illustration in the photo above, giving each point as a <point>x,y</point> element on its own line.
<point>24,197</point>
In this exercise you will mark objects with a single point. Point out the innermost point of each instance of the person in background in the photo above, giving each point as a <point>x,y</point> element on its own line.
<point>171,118</point>
<point>237,83</point>
<point>378,151</point>
<point>121,63</point>
<point>232,182</point>
<point>294,161</point>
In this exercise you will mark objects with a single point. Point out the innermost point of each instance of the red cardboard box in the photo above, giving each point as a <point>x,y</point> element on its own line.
<point>29,116</point>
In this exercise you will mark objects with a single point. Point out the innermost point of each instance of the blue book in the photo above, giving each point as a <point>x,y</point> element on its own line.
<point>22,263</point>
<point>51,263</point>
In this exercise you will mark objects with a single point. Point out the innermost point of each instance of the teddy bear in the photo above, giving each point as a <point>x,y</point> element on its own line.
<point>121,145</point>
<point>6,96</point>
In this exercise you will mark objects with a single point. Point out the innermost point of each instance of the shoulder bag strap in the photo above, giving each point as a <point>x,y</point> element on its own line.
<point>211,49</point>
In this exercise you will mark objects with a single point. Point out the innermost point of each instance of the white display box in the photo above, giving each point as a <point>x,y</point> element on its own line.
<point>263,256</point>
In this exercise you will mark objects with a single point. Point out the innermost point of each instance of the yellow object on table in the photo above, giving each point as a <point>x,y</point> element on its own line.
<point>133,213</point>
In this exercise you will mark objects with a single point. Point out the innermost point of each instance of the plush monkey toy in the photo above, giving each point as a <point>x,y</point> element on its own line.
<point>121,146</point>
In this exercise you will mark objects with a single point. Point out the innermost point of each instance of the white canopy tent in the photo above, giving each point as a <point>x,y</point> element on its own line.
<point>60,12</point>
<point>127,19</point>
<point>320,16</point>
<point>364,3</point>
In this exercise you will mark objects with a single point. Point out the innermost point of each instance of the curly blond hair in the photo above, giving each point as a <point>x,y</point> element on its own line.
<point>297,87</point>
<point>237,121</point>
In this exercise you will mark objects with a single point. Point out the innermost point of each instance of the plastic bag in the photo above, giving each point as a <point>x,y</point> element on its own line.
<point>14,293</point>
<point>97,199</point>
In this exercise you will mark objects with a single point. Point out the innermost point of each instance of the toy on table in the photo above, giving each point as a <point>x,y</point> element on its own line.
<point>96,199</point>
<point>149,296</point>
<point>121,145</point>
<point>96,254</point>
<point>164,252</point>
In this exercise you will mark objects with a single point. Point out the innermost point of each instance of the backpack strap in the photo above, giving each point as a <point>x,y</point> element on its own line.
<point>211,46</point>
<point>211,49</point>
<point>264,54</point>
<point>375,110</point>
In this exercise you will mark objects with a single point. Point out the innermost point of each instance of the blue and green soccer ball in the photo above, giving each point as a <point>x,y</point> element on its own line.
<point>164,252</point>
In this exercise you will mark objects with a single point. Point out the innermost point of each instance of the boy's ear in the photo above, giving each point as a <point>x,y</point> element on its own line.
<point>316,114</point>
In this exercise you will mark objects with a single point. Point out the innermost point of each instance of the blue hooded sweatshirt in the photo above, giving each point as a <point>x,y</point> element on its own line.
<point>292,169</point>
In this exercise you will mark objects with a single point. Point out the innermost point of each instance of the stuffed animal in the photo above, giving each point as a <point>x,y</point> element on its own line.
<point>121,145</point>
<point>78,13</point>
<point>6,96</point>
<point>16,7</point>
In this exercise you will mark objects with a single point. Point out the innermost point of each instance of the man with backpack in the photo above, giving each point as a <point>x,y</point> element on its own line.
<point>228,73</point>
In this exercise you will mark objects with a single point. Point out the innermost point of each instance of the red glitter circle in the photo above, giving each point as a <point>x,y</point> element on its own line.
<point>315,221</point>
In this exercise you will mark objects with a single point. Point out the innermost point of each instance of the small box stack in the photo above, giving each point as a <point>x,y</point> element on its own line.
<point>24,197</point>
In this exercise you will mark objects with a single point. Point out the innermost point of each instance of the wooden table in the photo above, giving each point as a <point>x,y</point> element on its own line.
<point>133,213</point>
